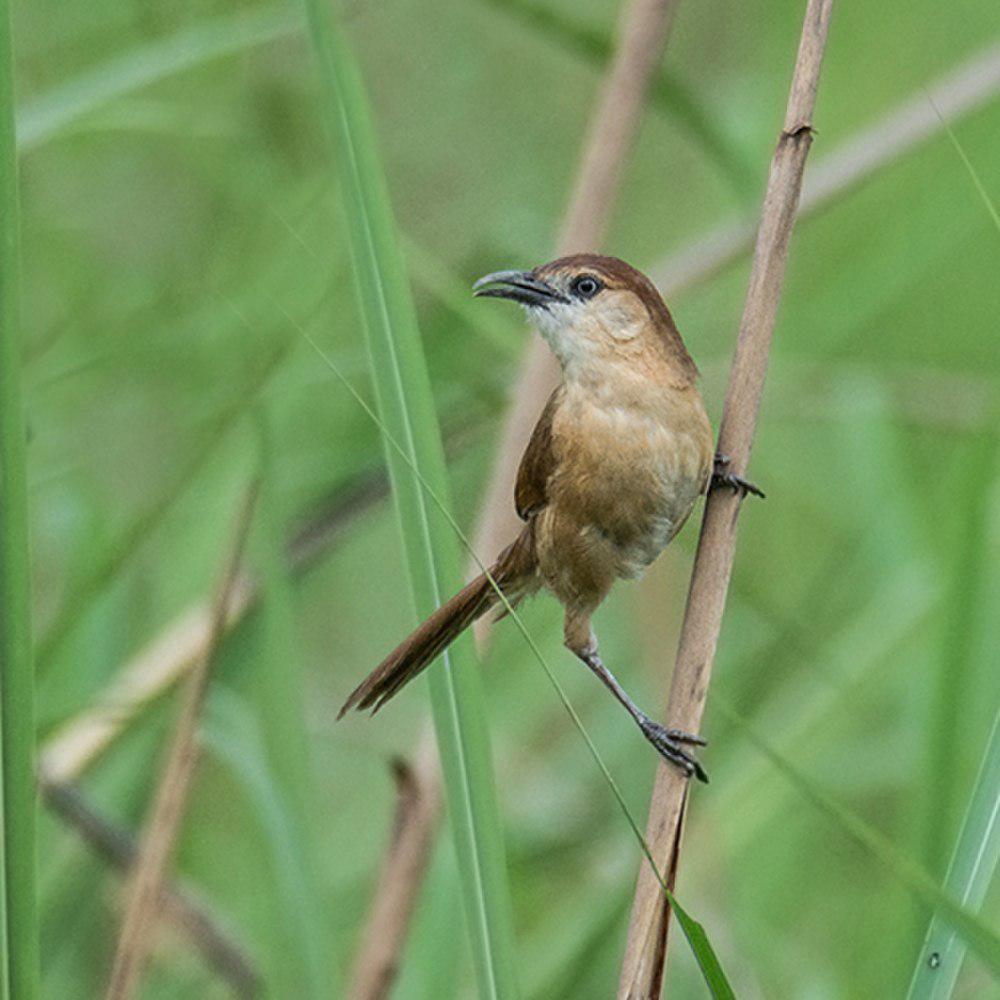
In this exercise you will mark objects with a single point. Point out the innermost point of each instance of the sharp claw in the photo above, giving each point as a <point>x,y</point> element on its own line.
<point>680,736</point>
<point>668,743</point>
<point>737,484</point>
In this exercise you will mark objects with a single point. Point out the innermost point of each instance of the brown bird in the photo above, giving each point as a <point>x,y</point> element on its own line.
<point>619,456</point>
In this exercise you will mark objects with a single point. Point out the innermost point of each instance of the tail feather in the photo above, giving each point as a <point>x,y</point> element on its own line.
<point>512,573</point>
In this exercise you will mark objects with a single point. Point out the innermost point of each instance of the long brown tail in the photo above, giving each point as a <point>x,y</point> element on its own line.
<point>514,573</point>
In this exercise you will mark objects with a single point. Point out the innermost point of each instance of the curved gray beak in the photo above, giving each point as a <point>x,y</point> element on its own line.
<point>519,286</point>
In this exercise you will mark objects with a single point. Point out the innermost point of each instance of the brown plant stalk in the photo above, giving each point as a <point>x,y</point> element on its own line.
<point>418,808</point>
<point>643,965</point>
<point>163,827</point>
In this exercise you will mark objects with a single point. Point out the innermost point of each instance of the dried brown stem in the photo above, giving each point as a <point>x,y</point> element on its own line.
<point>418,810</point>
<point>160,835</point>
<point>177,905</point>
<point>642,969</point>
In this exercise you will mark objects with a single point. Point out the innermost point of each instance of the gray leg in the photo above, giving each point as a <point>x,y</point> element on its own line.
<point>669,742</point>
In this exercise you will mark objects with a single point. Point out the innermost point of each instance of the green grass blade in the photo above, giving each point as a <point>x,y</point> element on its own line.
<point>704,954</point>
<point>977,181</point>
<point>18,906</point>
<point>432,554</point>
<point>972,868</point>
<point>959,661</point>
<point>977,851</point>
<point>980,938</point>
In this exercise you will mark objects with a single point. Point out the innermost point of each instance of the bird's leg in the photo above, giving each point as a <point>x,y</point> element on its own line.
<point>721,476</point>
<point>669,742</point>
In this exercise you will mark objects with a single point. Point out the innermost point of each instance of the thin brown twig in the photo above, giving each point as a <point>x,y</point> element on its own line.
<point>642,968</point>
<point>178,905</point>
<point>418,810</point>
<point>644,28</point>
<point>160,835</point>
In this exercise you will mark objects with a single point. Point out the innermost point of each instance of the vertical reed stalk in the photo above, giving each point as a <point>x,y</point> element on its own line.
<point>18,907</point>
<point>642,969</point>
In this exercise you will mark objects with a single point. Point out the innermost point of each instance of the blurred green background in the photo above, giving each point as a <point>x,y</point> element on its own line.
<point>180,222</point>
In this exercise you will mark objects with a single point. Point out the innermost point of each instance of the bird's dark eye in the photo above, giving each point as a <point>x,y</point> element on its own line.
<point>586,286</point>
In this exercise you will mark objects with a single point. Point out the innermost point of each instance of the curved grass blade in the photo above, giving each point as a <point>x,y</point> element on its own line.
<point>970,873</point>
<point>980,938</point>
<point>18,906</point>
<point>407,412</point>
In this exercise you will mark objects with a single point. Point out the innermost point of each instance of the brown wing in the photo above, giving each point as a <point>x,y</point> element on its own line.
<point>537,463</point>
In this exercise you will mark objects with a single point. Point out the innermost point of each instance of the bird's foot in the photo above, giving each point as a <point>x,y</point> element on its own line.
<point>721,476</point>
<point>670,743</point>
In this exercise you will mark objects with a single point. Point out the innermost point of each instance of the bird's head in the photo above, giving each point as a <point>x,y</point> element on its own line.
<point>594,311</point>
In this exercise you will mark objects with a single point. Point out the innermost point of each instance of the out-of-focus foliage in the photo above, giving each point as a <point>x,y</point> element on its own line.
<point>170,231</point>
